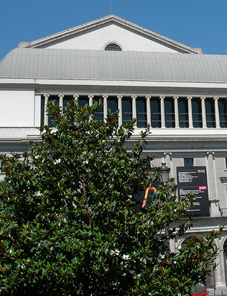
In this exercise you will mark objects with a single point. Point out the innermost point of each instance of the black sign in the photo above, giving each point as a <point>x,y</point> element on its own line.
<point>194,180</point>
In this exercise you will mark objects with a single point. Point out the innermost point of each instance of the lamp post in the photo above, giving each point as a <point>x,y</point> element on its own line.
<point>164,173</point>
<point>164,179</point>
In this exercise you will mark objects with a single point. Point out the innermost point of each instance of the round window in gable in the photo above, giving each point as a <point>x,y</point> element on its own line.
<point>113,47</point>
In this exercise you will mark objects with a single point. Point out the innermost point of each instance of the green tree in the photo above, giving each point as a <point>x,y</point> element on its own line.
<point>68,224</point>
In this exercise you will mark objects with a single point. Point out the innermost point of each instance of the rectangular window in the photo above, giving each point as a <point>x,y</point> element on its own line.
<point>42,110</point>
<point>112,104</point>
<point>155,113</point>
<point>188,162</point>
<point>66,100</point>
<point>51,120</point>
<point>222,106</point>
<point>141,112</point>
<point>98,115</point>
<point>225,162</point>
<point>183,112</point>
<point>169,113</point>
<point>210,112</point>
<point>197,113</point>
<point>126,110</point>
<point>83,100</point>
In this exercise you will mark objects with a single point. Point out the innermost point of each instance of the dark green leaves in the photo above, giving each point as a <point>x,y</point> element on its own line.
<point>68,224</point>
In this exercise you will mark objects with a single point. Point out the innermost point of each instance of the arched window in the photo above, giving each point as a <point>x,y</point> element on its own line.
<point>113,47</point>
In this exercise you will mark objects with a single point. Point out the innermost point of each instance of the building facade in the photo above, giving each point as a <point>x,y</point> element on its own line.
<point>176,89</point>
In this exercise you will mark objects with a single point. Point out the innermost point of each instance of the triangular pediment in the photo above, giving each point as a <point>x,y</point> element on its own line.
<point>97,34</point>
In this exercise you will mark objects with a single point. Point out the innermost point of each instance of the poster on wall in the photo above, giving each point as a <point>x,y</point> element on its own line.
<point>194,180</point>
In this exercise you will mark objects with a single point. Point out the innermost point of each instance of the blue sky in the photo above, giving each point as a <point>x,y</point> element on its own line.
<point>196,23</point>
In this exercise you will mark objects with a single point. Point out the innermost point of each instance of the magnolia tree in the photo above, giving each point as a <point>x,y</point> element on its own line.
<point>68,221</point>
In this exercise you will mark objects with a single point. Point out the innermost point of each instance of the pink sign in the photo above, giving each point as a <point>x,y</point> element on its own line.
<point>202,187</point>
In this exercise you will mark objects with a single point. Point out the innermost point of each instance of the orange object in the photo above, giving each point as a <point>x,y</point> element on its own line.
<point>146,195</point>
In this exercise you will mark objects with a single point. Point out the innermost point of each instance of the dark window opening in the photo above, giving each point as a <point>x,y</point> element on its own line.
<point>98,115</point>
<point>83,100</point>
<point>52,121</point>
<point>126,110</point>
<point>197,113</point>
<point>183,112</point>
<point>141,112</point>
<point>169,113</point>
<point>188,162</point>
<point>210,113</point>
<point>66,100</point>
<point>155,113</point>
<point>112,104</point>
<point>222,105</point>
<point>42,110</point>
<point>113,47</point>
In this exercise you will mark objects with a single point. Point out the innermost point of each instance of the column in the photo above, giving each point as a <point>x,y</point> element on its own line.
<point>176,112</point>
<point>105,111</point>
<point>217,272</point>
<point>217,118</point>
<point>90,99</point>
<point>148,103</point>
<point>134,108</point>
<point>190,118</point>
<point>203,112</point>
<point>61,101</point>
<point>120,110</point>
<point>163,124</point>
<point>45,106</point>
<point>215,175</point>
<point>172,244</point>
<point>76,97</point>
<point>222,265</point>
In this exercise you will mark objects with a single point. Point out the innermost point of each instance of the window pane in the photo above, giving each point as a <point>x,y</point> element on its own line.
<point>169,113</point>
<point>126,110</point>
<point>210,113</point>
<point>42,110</point>
<point>141,112</point>
<point>222,104</point>
<point>112,104</point>
<point>183,112</point>
<point>155,113</point>
<point>188,162</point>
<point>52,121</point>
<point>113,47</point>
<point>66,100</point>
<point>197,112</point>
<point>98,115</point>
<point>83,100</point>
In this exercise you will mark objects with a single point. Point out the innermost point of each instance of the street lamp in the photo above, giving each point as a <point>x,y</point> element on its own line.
<point>164,174</point>
<point>164,178</point>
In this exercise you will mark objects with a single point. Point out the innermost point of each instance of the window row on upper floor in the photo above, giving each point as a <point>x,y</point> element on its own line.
<point>158,112</point>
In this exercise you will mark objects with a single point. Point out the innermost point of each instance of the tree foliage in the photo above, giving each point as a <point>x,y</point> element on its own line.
<point>68,223</point>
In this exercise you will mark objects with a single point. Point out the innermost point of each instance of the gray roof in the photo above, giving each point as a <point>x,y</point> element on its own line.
<point>110,65</point>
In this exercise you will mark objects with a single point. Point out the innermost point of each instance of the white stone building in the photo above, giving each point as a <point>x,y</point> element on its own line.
<point>178,90</point>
